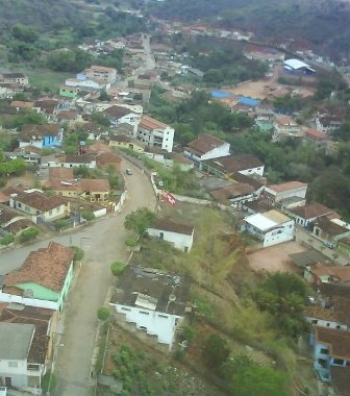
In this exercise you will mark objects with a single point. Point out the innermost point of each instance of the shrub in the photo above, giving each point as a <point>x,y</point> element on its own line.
<point>49,382</point>
<point>78,253</point>
<point>117,268</point>
<point>131,242</point>
<point>103,313</point>
<point>60,224</point>
<point>88,215</point>
<point>29,234</point>
<point>7,240</point>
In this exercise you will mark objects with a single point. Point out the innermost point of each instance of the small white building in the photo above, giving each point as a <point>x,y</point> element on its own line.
<point>18,366</point>
<point>286,127</point>
<point>270,227</point>
<point>276,193</point>
<point>154,133</point>
<point>179,234</point>
<point>155,301</point>
<point>206,147</point>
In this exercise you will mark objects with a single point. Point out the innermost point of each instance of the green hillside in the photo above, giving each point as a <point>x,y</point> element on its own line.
<point>323,25</point>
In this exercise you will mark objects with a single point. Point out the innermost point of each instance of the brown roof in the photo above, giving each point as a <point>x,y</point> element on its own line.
<point>287,186</point>
<point>204,144</point>
<point>47,105</point>
<point>235,163</point>
<point>120,138</point>
<point>27,149</point>
<point>311,211</point>
<point>330,227</point>
<point>338,310</point>
<point>40,318</point>
<point>94,185</point>
<point>341,380</point>
<point>99,147</point>
<point>77,159</point>
<point>180,159</point>
<point>47,267</point>
<point>340,273</point>
<point>169,225</point>
<point>67,115</point>
<point>40,201</point>
<point>117,112</point>
<point>105,159</point>
<point>315,134</point>
<point>18,226</point>
<point>61,173</point>
<point>253,179</point>
<point>151,123</point>
<point>338,341</point>
<point>232,191</point>
<point>28,131</point>
<point>20,103</point>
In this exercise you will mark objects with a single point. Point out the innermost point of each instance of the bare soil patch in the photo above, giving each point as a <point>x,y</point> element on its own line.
<point>274,258</point>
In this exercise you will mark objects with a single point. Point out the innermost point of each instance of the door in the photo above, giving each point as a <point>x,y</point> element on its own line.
<point>8,382</point>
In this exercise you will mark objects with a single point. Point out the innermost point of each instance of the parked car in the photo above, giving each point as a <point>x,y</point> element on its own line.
<point>128,171</point>
<point>329,245</point>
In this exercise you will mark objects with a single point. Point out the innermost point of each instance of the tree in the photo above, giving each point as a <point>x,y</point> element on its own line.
<point>117,268</point>
<point>283,295</point>
<point>28,234</point>
<point>215,352</point>
<point>103,314</point>
<point>139,221</point>
<point>247,378</point>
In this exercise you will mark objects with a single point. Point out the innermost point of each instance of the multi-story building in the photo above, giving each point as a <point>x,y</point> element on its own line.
<point>154,133</point>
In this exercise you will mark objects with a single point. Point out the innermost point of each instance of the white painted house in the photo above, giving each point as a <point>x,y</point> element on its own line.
<point>155,301</point>
<point>179,234</point>
<point>206,147</point>
<point>154,133</point>
<point>279,192</point>
<point>271,227</point>
<point>20,365</point>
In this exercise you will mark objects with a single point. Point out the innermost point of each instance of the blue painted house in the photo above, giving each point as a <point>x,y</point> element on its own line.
<point>41,136</point>
<point>331,349</point>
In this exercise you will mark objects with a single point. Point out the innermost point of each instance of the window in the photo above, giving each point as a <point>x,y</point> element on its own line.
<point>126,309</point>
<point>338,362</point>
<point>163,316</point>
<point>144,312</point>
<point>13,364</point>
<point>315,321</point>
<point>324,351</point>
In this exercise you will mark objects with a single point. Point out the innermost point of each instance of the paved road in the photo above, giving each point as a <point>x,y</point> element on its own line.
<point>73,363</point>
<point>103,243</point>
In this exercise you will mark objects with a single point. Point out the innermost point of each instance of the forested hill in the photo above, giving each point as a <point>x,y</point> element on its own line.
<point>44,15</point>
<point>323,24</point>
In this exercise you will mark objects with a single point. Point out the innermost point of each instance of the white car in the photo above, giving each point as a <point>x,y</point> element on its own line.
<point>128,171</point>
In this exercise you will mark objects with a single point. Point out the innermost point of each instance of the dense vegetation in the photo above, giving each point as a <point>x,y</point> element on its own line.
<point>271,20</point>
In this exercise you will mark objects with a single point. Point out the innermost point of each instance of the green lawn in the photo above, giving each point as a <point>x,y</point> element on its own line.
<point>48,79</point>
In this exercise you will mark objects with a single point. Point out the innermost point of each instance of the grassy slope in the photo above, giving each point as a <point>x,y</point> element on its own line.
<point>41,14</point>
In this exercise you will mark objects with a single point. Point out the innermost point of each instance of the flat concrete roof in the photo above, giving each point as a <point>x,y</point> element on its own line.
<point>15,340</point>
<point>260,221</point>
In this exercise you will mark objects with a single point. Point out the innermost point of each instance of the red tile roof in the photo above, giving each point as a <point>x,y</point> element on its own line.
<point>40,201</point>
<point>315,134</point>
<point>94,185</point>
<point>151,123</point>
<point>338,341</point>
<point>205,143</point>
<point>313,210</point>
<point>47,267</point>
<point>169,225</point>
<point>287,186</point>
<point>235,163</point>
